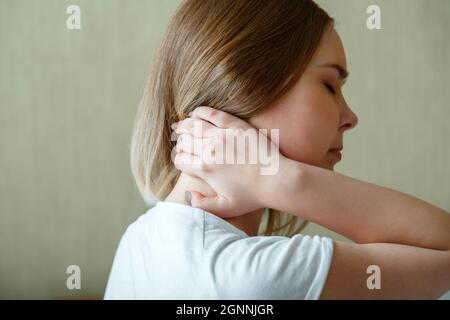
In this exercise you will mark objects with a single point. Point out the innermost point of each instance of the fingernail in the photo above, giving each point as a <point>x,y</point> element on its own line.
<point>188,196</point>
<point>190,113</point>
<point>173,125</point>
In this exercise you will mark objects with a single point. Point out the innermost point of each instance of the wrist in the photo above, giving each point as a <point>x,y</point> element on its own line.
<point>288,183</point>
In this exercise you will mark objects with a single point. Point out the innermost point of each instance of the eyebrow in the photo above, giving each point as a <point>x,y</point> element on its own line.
<point>343,73</point>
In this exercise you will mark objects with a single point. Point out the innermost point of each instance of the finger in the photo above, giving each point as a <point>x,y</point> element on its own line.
<point>186,162</point>
<point>190,164</point>
<point>196,127</point>
<point>218,205</point>
<point>185,143</point>
<point>193,145</point>
<point>220,118</point>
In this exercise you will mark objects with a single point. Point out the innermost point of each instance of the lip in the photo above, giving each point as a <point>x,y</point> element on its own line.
<point>337,153</point>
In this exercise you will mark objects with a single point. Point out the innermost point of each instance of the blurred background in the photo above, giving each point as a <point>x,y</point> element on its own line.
<point>68,100</point>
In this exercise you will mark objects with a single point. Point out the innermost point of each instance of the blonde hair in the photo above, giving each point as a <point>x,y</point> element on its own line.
<point>229,55</point>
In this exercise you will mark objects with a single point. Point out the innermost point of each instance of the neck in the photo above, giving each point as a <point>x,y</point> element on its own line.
<point>248,222</point>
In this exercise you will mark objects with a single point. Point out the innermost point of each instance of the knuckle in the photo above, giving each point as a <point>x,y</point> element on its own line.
<point>213,112</point>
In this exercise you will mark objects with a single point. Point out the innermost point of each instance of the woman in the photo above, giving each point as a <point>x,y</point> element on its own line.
<point>275,64</point>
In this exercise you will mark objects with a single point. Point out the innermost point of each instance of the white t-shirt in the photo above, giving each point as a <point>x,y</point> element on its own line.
<point>174,251</point>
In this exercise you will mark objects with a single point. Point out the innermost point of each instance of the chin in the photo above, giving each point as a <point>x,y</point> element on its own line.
<point>328,166</point>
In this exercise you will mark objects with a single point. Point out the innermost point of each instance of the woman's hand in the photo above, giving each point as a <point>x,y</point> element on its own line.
<point>212,146</point>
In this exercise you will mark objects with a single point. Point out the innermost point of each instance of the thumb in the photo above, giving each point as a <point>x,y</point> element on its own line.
<point>217,204</point>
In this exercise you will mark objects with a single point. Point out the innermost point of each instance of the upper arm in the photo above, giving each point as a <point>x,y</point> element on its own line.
<point>406,272</point>
<point>269,267</point>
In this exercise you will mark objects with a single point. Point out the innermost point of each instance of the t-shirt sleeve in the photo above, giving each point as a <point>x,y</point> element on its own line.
<point>270,267</point>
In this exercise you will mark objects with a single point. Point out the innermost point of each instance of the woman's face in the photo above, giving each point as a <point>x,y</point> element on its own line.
<point>311,118</point>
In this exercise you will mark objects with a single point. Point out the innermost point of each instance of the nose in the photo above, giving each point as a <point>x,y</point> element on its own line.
<point>349,118</point>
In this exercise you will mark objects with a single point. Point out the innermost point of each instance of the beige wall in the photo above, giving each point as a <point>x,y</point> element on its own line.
<point>68,98</point>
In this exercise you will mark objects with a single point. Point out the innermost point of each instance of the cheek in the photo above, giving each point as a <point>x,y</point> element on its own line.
<point>307,127</point>
<point>305,141</point>
<point>310,133</point>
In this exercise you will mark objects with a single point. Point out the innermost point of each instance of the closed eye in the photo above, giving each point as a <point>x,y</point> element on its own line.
<point>330,88</point>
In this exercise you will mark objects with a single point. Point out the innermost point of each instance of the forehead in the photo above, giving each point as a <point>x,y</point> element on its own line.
<point>330,50</point>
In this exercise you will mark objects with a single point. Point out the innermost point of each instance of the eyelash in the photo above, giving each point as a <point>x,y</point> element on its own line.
<point>330,88</point>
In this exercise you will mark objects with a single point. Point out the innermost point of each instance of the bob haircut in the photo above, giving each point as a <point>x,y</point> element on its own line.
<point>237,56</point>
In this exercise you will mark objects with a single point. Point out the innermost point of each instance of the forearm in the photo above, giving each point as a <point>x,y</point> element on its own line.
<point>361,211</point>
<point>406,272</point>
